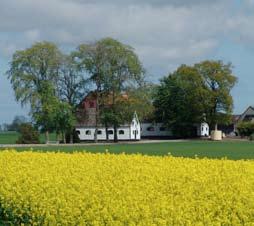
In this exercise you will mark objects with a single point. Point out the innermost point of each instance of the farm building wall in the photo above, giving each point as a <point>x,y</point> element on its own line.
<point>155,130</point>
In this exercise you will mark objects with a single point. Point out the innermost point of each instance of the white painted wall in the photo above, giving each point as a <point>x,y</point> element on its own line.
<point>123,133</point>
<point>129,132</point>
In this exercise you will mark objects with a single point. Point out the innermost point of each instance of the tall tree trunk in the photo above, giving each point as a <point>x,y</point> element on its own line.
<point>215,115</point>
<point>216,127</point>
<point>47,136</point>
<point>114,111</point>
<point>107,136</point>
<point>115,134</point>
<point>64,138</point>
<point>96,116</point>
<point>71,136</point>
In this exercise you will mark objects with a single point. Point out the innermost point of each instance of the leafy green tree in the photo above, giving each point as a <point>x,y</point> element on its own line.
<point>91,59</point>
<point>109,118</point>
<point>72,85</point>
<point>31,66</point>
<point>113,67</point>
<point>123,70</point>
<point>219,81</point>
<point>45,110</point>
<point>64,119</point>
<point>245,128</point>
<point>179,100</point>
<point>141,100</point>
<point>192,94</point>
<point>32,72</point>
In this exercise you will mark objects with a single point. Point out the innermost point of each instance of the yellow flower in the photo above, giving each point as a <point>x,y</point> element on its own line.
<point>106,189</point>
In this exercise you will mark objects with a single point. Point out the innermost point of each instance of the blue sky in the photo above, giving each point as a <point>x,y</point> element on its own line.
<point>164,33</point>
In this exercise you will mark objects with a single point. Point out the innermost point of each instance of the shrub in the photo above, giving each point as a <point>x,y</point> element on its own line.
<point>251,137</point>
<point>28,135</point>
<point>245,128</point>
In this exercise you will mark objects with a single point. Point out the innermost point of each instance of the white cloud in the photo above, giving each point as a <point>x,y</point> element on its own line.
<point>166,31</point>
<point>32,35</point>
<point>147,2</point>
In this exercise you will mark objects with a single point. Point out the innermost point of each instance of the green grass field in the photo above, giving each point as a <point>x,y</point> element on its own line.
<point>8,137</point>
<point>231,150</point>
<point>11,137</point>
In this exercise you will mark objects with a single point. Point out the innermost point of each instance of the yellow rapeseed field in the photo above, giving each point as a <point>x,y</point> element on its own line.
<point>107,189</point>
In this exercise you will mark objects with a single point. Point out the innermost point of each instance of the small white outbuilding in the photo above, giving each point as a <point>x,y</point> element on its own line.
<point>203,129</point>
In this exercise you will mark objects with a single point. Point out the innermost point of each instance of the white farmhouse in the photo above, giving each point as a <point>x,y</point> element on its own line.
<point>87,120</point>
<point>131,131</point>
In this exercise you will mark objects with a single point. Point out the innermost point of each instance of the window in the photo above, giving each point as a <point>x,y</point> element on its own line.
<point>88,132</point>
<point>162,129</point>
<point>99,132</point>
<point>202,128</point>
<point>121,132</point>
<point>150,128</point>
<point>137,132</point>
<point>78,132</point>
<point>110,132</point>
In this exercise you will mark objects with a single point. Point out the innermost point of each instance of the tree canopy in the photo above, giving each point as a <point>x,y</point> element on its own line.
<point>193,94</point>
<point>35,74</point>
<point>219,81</point>
<point>30,68</point>
<point>72,84</point>
<point>112,66</point>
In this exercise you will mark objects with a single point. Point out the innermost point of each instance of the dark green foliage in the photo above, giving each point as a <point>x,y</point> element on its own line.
<point>141,101</point>
<point>49,82</point>
<point>28,135</point>
<point>179,101</point>
<point>44,113</point>
<point>219,81</point>
<point>251,137</point>
<point>33,74</point>
<point>72,84</point>
<point>64,119</point>
<point>30,68</point>
<point>74,135</point>
<point>193,94</point>
<point>245,129</point>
